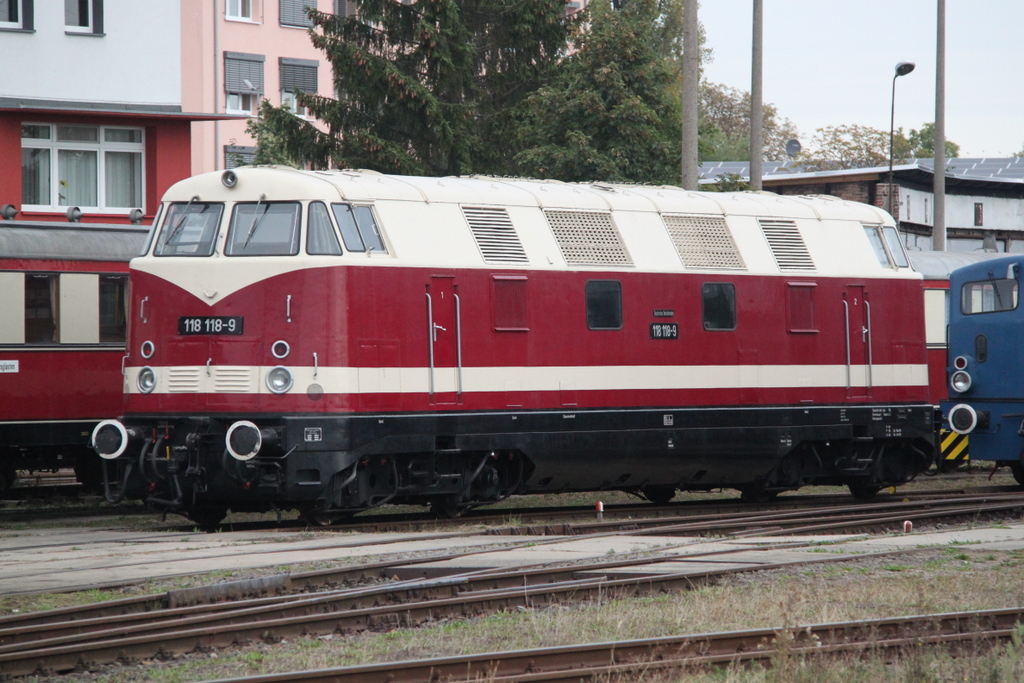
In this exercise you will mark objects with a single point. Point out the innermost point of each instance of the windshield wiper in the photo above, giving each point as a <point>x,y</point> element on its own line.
<point>255,223</point>
<point>181,221</point>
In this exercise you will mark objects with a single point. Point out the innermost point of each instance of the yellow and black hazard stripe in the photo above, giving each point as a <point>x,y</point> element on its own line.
<point>953,450</point>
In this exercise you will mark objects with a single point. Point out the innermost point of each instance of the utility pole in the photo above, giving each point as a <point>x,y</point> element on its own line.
<point>756,97</point>
<point>691,76</point>
<point>939,178</point>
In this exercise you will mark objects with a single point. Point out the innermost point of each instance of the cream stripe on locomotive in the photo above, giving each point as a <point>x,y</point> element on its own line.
<point>349,380</point>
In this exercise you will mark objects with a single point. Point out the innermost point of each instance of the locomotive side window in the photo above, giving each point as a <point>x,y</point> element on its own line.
<point>876,243</point>
<point>800,307</point>
<point>42,308</point>
<point>604,305</point>
<point>320,235</point>
<point>887,246</point>
<point>989,296</point>
<point>264,229</point>
<point>895,245</point>
<point>359,228</point>
<point>190,229</point>
<point>113,302</point>
<point>719,300</point>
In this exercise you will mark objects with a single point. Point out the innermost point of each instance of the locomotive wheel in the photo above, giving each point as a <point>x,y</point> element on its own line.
<point>659,495</point>
<point>1018,472</point>
<point>207,516</point>
<point>864,491</point>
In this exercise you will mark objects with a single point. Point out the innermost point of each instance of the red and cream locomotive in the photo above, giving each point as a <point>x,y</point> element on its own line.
<point>333,341</point>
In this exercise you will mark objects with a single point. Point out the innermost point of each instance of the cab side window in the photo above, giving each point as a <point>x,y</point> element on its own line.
<point>604,305</point>
<point>719,305</point>
<point>320,235</point>
<point>359,228</point>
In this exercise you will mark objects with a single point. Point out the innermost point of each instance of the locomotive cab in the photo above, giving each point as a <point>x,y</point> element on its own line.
<point>985,357</point>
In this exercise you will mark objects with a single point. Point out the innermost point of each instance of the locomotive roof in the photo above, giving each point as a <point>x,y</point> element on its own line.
<point>71,241</point>
<point>447,222</point>
<point>937,265</point>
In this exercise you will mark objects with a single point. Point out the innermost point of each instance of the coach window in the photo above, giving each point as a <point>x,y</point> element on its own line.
<point>42,308</point>
<point>190,229</point>
<point>320,235</point>
<point>264,229</point>
<point>604,305</point>
<point>719,303</point>
<point>113,303</point>
<point>359,228</point>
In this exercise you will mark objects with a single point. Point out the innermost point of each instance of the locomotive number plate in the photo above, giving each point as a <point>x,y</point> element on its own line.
<point>210,324</point>
<point>664,330</point>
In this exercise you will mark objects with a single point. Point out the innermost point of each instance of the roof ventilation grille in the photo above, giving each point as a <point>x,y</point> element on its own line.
<point>786,243</point>
<point>703,242</point>
<point>588,238</point>
<point>494,234</point>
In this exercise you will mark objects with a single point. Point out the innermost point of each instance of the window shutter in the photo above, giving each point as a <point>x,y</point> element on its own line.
<point>240,67</point>
<point>293,13</point>
<point>298,74</point>
<point>345,8</point>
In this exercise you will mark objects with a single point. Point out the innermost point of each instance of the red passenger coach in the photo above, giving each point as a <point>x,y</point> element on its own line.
<point>333,341</point>
<point>62,340</point>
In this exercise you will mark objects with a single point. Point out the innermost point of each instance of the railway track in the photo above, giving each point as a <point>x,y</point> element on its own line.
<point>418,591</point>
<point>627,659</point>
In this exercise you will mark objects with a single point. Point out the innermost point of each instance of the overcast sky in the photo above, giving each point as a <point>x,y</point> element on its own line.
<point>831,62</point>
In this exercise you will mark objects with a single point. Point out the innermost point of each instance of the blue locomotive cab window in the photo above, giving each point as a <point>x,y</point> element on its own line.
<point>264,229</point>
<point>604,305</point>
<point>359,228</point>
<point>320,235</point>
<point>989,296</point>
<point>719,301</point>
<point>190,229</point>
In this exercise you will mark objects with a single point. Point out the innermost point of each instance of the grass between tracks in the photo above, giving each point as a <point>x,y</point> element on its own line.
<point>935,580</point>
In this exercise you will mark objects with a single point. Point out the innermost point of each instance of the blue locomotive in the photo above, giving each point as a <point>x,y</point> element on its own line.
<point>986,394</point>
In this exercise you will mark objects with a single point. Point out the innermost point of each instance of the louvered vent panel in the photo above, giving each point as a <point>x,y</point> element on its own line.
<point>588,238</point>
<point>495,236</point>
<point>704,242</point>
<point>183,380</point>
<point>228,380</point>
<point>787,244</point>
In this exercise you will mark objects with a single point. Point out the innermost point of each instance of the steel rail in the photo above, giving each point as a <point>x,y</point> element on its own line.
<point>592,661</point>
<point>340,613</point>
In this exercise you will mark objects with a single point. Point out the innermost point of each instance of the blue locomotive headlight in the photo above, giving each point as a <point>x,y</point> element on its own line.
<point>279,379</point>
<point>963,418</point>
<point>146,381</point>
<point>960,381</point>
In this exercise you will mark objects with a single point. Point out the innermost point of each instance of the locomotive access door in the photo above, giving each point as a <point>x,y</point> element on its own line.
<point>444,340</point>
<point>858,342</point>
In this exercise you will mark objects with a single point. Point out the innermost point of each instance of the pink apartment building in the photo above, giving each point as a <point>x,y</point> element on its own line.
<point>235,53</point>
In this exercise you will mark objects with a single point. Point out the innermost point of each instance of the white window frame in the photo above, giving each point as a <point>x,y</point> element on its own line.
<point>235,10</point>
<point>101,148</point>
<point>289,98</point>
<point>20,23</point>
<point>231,108</point>
<point>88,28</point>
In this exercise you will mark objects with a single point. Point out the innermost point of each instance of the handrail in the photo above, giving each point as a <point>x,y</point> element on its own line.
<point>458,343</point>
<point>867,307</point>
<point>430,340</point>
<point>846,309</point>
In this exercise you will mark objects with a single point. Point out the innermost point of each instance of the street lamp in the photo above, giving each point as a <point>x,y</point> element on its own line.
<point>902,69</point>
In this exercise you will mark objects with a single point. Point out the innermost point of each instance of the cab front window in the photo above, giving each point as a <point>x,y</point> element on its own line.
<point>264,229</point>
<point>989,296</point>
<point>190,229</point>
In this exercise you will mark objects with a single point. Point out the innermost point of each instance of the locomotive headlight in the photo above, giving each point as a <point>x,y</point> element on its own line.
<point>279,379</point>
<point>960,381</point>
<point>146,381</point>
<point>963,418</point>
<point>243,440</point>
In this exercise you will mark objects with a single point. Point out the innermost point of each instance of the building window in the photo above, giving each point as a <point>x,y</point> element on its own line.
<point>237,155</point>
<point>345,8</point>
<point>16,15</point>
<point>604,305</point>
<point>719,302</point>
<point>297,75</point>
<point>293,13</point>
<point>979,214</point>
<point>96,167</point>
<point>113,303</point>
<point>42,308</point>
<point>83,16</point>
<point>239,9</point>
<point>243,81</point>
